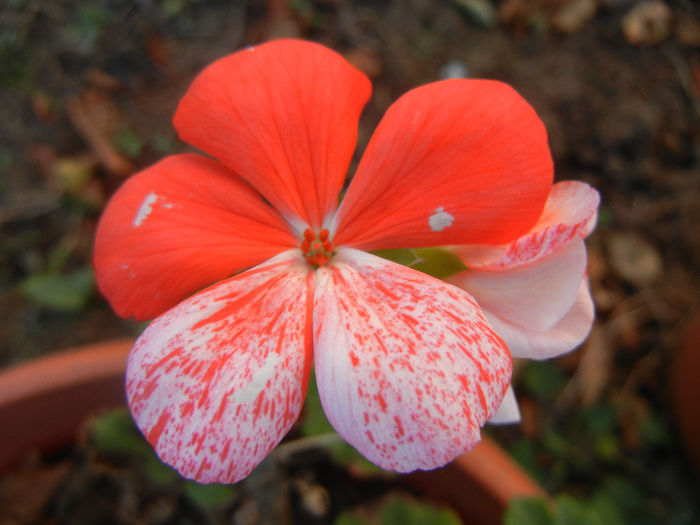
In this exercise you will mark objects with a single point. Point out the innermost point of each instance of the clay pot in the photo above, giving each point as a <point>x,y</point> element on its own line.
<point>44,402</point>
<point>685,388</point>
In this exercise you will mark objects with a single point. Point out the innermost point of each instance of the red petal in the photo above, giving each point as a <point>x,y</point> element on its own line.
<point>216,382</point>
<point>284,115</point>
<point>570,211</point>
<point>407,368</point>
<point>453,162</point>
<point>178,226</point>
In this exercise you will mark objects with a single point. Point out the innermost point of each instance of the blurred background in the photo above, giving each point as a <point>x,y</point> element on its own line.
<point>87,91</point>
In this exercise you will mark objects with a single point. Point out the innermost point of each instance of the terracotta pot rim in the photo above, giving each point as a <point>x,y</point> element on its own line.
<point>43,402</point>
<point>72,366</point>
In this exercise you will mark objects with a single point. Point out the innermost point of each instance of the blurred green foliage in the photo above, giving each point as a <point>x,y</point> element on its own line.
<point>402,510</point>
<point>114,433</point>
<point>64,291</point>
<point>126,141</point>
<point>86,27</point>
<point>542,379</point>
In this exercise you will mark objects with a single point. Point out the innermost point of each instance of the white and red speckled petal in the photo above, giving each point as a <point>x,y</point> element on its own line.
<point>570,212</point>
<point>217,381</point>
<point>535,295</point>
<point>407,368</point>
<point>566,335</point>
<point>508,412</point>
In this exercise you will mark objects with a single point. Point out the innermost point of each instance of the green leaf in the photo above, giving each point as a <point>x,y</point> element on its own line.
<point>65,292</point>
<point>86,27</point>
<point>345,454</point>
<point>607,447</point>
<point>523,451</point>
<point>627,496</point>
<point>607,511</point>
<point>528,511</point>
<point>598,419</point>
<point>400,510</point>
<point>481,11</point>
<point>115,432</point>
<point>6,159</point>
<point>543,379</point>
<point>606,217</point>
<point>126,141</point>
<point>162,144</point>
<point>402,256</point>
<point>437,262</point>
<point>349,518</point>
<point>211,496</point>
<point>158,472</point>
<point>405,511</point>
<point>654,432</point>
<point>570,511</point>
<point>172,8</point>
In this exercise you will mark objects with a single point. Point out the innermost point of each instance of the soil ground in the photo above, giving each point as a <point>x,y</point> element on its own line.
<point>87,91</point>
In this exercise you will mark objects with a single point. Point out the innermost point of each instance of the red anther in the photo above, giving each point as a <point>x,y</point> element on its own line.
<point>317,252</point>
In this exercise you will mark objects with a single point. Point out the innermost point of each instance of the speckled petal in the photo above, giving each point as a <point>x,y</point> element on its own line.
<point>508,412</point>
<point>571,330</point>
<point>407,368</point>
<point>216,382</point>
<point>535,295</point>
<point>570,211</point>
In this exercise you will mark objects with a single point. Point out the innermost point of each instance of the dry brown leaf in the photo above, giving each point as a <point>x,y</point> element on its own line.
<point>95,116</point>
<point>633,258</point>
<point>573,15</point>
<point>593,373</point>
<point>648,22</point>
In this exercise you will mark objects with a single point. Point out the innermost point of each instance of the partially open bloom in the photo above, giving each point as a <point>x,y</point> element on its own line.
<point>408,368</point>
<point>534,291</point>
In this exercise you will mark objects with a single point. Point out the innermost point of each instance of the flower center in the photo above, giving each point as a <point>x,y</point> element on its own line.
<point>317,250</point>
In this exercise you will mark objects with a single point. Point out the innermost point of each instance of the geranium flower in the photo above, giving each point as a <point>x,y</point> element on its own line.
<point>407,367</point>
<point>534,291</point>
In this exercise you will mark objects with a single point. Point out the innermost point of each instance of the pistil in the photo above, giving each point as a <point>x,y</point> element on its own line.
<point>317,250</point>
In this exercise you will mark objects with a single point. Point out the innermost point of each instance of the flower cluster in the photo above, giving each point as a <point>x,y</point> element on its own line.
<point>408,367</point>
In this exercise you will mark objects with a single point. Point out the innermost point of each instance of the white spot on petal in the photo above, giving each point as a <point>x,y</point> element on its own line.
<point>440,220</point>
<point>145,209</point>
<point>248,394</point>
